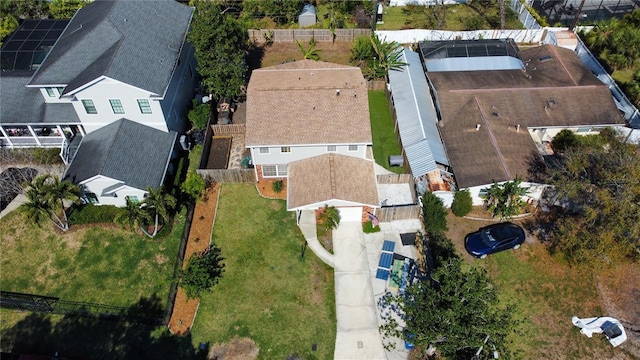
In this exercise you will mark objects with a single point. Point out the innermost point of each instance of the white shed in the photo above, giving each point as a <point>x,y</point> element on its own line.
<point>308,16</point>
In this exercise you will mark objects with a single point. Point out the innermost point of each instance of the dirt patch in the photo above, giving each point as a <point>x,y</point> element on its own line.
<point>236,349</point>
<point>278,53</point>
<point>161,259</point>
<point>219,153</point>
<point>620,296</point>
<point>184,309</point>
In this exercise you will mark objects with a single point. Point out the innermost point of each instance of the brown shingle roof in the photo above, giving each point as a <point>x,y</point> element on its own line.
<point>559,92</point>
<point>331,177</point>
<point>297,103</point>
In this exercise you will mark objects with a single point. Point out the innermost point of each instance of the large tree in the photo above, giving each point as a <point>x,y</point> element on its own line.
<point>220,43</point>
<point>454,312</point>
<point>134,217</point>
<point>434,214</point>
<point>202,272</point>
<point>598,183</point>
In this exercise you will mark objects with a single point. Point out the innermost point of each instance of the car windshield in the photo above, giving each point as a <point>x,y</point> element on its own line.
<point>497,234</point>
<point>488,238</point>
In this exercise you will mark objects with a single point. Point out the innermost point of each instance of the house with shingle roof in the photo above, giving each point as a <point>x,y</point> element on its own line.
<point>120,69</point>
<point>308,121</point>
<point>113,59</point>
<point>500,107</point>
<point>106,158</point>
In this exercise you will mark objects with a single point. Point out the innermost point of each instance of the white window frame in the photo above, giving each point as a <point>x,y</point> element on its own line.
<point>145,106</point>
<point>50,92</point>
<point>332,148</point>
<point>60,90</point>
<point>116,104</point>
<point>89,106</point>
<point>264,150</point>
<point>353,147</point>
<point>274,171</point>
<point>285,149</point>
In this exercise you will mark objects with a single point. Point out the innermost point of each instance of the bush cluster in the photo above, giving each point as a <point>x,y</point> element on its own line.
<point>93,214</point>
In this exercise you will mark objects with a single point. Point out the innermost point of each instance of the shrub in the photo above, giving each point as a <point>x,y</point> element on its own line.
<point>434,214</point>
<point>329,217</point>
<point>193,186</point>
<point>199,115</point>
<point>202,273</point>
<point>277,186</point>
<point>93,214</point>
<point>564,140</point>
<point>368,228</point>
<point>462,203</point>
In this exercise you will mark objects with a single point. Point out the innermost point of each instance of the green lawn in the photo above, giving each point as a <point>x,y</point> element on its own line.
<point>107,266</point>
<point>385,141</point>
<point>268,293</point>
<point>548,293</point>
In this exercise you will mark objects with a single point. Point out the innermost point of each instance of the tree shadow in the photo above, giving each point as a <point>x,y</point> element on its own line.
<point>76,337</point>
<point>254,56</point>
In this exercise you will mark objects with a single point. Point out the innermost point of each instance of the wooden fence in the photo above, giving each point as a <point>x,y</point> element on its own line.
<point>320,35</point>
<point>228,175</point>
<point>404,212</point>
<point>228,129</point>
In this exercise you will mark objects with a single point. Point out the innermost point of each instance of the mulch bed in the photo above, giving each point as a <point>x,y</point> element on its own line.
<point>184,309</point>
<point>265,189</point>
<point>219,153</point>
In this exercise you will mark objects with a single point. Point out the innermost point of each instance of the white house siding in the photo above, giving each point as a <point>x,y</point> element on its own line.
<point>97,185</point>
<point>301,152</point>
<point>350,214</point>
<point>534,193</point>
<point>104,90</point>
<point>180,91</point>
<point>333,202</point>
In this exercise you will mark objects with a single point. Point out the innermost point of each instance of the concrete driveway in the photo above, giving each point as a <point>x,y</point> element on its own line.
<point>356,312</point>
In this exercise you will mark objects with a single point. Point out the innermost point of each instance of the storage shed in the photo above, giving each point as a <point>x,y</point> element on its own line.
<point>308,16</point>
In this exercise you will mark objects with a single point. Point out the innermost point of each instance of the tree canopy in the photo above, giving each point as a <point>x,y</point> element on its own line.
<point>504,200</point>
<point>434,214</point>
<point>454,312</point>
<point>220,43</point>
<point>203,272</point>
<point>46,196</point>
<point>598,182</point>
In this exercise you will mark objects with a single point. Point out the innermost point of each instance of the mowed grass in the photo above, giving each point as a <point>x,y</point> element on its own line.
<point>268,293</point>
<point>98,265</point>
<point>548,292</point>
<point>385,141</point>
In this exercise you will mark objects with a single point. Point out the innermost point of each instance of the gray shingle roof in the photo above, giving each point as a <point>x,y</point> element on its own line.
<point>133,153</point>
<point>416,116</point>
<point>135,42</point>
<point>20,105</point>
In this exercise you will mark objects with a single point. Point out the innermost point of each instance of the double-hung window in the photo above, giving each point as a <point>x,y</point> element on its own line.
<point>331,148</point>
<point>144,105</point>
<point>116,106</point>
<point>264,150</point>
<point>89,107</point>
<point>285,149</point>
<point>50,92</point>
<point>353,147</point>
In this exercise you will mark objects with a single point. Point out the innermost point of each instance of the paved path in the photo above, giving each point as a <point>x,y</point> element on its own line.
<point>307,225</point>
<point>358,336</point>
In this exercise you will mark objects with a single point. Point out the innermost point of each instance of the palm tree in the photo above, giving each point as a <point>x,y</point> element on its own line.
<point>310,52</point>
<point>388,55</point>
<point>160,203</point>
<point>505,200</point>
<point>329,217</point>
<point>133,216</point>
<point>62,190</point>
<point>43,194</point>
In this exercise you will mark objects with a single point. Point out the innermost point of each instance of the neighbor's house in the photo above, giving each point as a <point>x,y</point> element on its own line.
<point>112,163</point>
<point>62,80</point>
<point>308,122</point>
<point>498,108</point>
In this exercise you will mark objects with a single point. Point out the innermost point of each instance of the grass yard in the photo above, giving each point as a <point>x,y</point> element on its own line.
<point>385,141</point>
<point>92,264</point>
<point>268,293</point>
<point>278,53</point>
<point>548,293</point>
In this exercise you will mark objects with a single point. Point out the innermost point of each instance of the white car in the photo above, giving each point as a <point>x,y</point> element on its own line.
<point>611,327</point>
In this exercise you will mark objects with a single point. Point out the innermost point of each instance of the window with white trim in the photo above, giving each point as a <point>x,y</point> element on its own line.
<point>133,198</point>
<point>331,148</point>
<point>50,92</point>
<point>274,170</point>
<point>353,147</point>
<point>89,107</point>
<point>60,90</point>
<point>144,106</point>
<point>116,106</point>
<point>285,149</point>
<point>264,150</point>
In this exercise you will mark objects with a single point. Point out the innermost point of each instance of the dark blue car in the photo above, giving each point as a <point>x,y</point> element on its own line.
<point>494,238</point>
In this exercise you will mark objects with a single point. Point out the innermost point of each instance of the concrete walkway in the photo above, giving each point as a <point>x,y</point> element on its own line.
<point>307,225</point>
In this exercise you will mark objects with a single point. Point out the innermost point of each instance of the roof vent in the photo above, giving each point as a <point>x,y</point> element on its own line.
<point>552,102</point>
<point>495,114</point>
<point>545,58</point>
<point>477,127</point>
<point>337,92</point>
